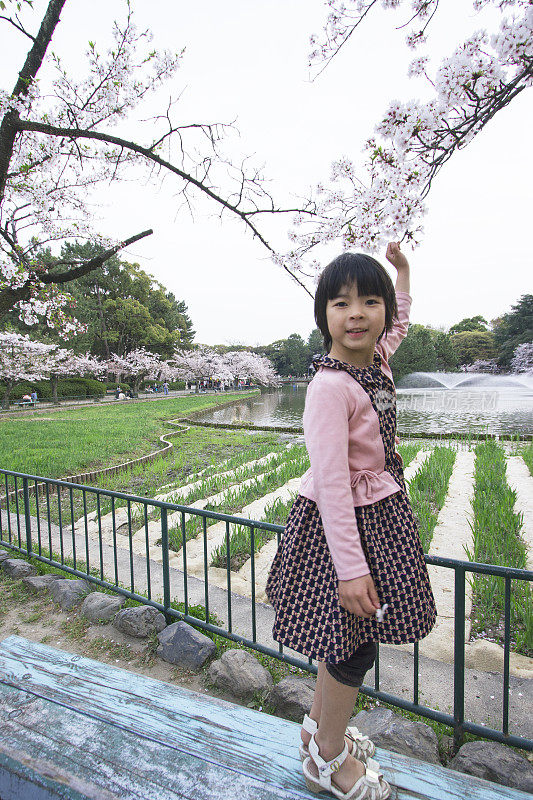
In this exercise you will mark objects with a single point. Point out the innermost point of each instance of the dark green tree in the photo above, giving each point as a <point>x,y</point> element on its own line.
<point>416,353</point>
<point>470,346</point>
<point>315,344</point>
<point>513,329</point>
<point>477,323</point>
<point>289,356</point>
<point>446,356</point>
<point>124,308</point>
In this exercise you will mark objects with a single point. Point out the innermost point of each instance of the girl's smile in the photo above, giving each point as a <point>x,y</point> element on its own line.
<point>355,323</point>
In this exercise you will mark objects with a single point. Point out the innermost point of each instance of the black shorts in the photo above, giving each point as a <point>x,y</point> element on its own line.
<point>352,671</point>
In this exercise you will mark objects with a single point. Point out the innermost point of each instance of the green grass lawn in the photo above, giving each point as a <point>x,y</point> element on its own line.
<point>67,441</point>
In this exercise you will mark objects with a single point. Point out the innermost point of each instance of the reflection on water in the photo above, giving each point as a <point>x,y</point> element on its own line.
<point>482,403</point>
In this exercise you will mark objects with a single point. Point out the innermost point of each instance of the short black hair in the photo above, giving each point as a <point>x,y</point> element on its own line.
<point>371,278</point>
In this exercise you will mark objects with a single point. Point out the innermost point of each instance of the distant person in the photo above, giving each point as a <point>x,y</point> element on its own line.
<point>350,571</point>
<point>165,388</point>
<point>34,397</point>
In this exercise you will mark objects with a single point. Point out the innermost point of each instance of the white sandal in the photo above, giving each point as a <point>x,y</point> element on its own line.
<point>370,786</point>
<point>362,747</point>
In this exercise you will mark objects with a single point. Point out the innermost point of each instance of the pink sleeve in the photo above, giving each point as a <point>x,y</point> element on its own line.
<point>391,341</point>
<point>326,437</point>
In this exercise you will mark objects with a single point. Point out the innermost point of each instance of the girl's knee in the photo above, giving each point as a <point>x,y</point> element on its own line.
<point>352,671</point>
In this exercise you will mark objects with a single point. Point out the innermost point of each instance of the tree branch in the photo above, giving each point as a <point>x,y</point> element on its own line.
<point>18,27</point>
<point>93,263</point>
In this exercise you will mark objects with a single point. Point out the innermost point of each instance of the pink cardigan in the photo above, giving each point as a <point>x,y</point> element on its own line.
<point>346,451</point>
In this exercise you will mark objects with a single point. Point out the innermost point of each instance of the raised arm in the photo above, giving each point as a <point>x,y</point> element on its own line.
<point>391,341</point>
<point>400,264</point>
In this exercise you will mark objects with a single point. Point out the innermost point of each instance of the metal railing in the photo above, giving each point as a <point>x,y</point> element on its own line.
<point>50,521</point>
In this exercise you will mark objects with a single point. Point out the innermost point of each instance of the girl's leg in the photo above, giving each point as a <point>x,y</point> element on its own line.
<point>338,701</point>
<point>317,702</point>
<point>339,687</point>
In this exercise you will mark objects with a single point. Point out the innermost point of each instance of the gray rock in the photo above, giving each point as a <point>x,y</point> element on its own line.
<point>494,762</point>
<point>239,673</point>
<point>68,593</point>
<point>3,555</point>
<point>292,697</point>
<point>401,735</point>
<point>39,583</point>
<point>17,568</point>
<point>140,621</point>
<point>98,606</point>
<point>183,645</point>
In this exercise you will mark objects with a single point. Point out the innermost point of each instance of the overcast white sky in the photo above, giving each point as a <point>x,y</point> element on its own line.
<point>247,60</point>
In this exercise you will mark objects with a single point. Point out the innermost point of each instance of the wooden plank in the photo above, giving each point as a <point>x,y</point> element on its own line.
<point>206,730</point>
<point>22,776</point>
<point>114,764</point>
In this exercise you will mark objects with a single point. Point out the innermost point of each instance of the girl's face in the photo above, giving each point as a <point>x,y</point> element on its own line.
<point>349,313</point>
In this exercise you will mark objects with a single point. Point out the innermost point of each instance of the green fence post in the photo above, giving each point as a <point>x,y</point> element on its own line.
<point>165,564</point>
<point>27,517</point>
<point>459,658</point>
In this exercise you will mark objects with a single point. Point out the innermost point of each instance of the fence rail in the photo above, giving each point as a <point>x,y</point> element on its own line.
<point>77,528</point>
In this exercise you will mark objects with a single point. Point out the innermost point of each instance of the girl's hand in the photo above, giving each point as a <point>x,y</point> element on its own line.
<point>359,596</point>
<point>395,256</point>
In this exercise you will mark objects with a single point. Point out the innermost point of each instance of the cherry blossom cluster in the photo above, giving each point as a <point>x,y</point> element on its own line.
<point>414,139</point>
<point>21,358</point>
<point>481,365</point>
<point>227,367</point>
<point>522,360</point>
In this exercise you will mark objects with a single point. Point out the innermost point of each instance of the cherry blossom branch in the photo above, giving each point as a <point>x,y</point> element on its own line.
<point>91,264</point>
<point>150,155</point>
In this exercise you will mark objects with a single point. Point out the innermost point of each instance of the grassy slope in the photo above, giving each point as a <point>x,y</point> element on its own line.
<point>73,440</point>
<point>496,532</point>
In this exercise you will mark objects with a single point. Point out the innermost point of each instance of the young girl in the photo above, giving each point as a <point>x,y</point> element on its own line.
<point>350,569</point>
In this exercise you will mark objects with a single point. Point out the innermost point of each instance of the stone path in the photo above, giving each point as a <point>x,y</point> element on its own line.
<point>450,537</point>
<point>520,479</point>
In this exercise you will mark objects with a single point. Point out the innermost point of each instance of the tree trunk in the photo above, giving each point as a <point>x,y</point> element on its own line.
<point>34,59</point>
<point>54,380</point>
<point>103,330</point>
<point>7,393</point>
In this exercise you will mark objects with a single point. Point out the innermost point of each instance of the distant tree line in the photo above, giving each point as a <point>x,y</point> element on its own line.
<point>427,348</point>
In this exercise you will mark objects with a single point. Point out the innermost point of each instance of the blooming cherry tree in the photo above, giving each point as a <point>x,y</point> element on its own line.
<point>207,363</point>
<point>245,364</point>
<point>63,363</point>
<point>139,364</point>
<point>481,365</point>
<point>522,360</point>
<point>58,141</point>
<point>22,359</point>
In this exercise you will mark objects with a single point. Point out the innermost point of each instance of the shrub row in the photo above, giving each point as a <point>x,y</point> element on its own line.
<point>68,387</point>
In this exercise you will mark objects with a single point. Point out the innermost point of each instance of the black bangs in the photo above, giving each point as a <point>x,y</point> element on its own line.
<point>350,267</point>
<point>371,278</point>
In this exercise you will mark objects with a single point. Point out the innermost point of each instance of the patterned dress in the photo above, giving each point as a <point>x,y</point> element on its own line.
<point>302,584</point>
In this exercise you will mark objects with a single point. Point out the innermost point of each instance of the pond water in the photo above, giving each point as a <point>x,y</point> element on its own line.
<point>426,403</point>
